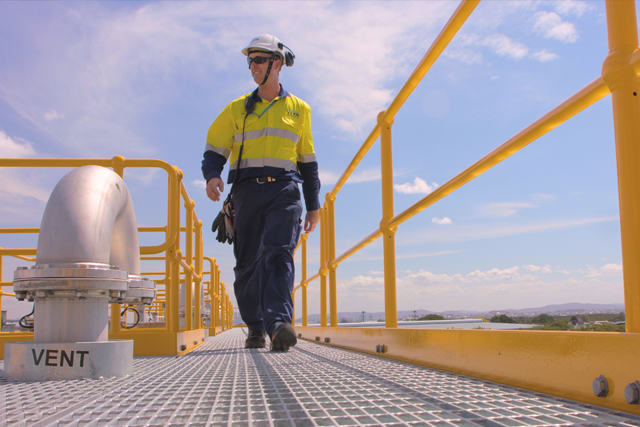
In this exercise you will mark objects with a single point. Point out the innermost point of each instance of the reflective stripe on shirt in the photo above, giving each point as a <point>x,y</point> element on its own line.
<point>220,150</point>
<point>266,161</point>
<point>306,158</point>
<point>259,133</point>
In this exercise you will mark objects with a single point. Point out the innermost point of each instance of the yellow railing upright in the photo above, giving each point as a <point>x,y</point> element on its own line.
<point>180,268</point>
<point>560,363</point>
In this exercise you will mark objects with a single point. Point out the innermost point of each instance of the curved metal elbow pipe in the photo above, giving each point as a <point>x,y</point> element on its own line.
<point>90,219</point>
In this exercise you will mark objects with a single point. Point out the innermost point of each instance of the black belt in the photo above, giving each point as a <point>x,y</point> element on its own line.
<point>262,179</point>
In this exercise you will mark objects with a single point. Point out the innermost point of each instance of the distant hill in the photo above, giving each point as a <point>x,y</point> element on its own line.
<point>356,316</point>
<point>574,306</point>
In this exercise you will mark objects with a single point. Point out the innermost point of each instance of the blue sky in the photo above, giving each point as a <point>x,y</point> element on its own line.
<point>145,80</point>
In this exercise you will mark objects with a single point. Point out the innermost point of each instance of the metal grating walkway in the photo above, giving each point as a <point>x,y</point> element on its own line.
<point>223,384</point>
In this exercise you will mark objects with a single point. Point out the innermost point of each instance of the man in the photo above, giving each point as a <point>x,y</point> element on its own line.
<point>273,128</point>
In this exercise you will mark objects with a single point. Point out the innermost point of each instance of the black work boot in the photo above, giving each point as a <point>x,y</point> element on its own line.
<point>255,339</point>
<point>283,337</point>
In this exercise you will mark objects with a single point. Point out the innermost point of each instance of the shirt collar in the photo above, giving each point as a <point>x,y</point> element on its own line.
<point>282,94</point>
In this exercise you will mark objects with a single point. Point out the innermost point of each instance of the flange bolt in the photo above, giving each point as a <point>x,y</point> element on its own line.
<point>600,387</point>
<point>632,393</point>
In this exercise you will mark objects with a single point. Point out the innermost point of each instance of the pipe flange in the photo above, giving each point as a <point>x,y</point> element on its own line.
<point>83,279</point>
<point>141,290</point>
<point>62,294</point>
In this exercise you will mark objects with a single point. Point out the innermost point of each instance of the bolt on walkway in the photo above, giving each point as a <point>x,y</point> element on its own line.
<point>222,384</point>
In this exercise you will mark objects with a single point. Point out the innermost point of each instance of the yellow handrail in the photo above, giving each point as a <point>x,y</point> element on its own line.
<point>191,263</point>
<point>621,69</point>
<point>545,361</point>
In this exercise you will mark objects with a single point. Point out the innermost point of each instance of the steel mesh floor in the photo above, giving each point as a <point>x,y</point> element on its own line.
<point>223,384</point>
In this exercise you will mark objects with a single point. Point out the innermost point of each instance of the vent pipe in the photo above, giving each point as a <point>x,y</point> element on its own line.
<point>88,255</point>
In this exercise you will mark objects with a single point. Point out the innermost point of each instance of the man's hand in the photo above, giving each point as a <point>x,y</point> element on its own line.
<point>310,220</point>
<point>215,186</point>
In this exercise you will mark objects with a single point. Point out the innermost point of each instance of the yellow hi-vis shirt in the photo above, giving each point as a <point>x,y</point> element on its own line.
<point>277,135</point>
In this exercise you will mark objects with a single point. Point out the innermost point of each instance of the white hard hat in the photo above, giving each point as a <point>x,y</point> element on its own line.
<point>269,43</point>
<point>264,42</point>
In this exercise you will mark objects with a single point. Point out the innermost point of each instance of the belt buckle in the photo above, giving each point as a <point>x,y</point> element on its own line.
<point>258,180</point>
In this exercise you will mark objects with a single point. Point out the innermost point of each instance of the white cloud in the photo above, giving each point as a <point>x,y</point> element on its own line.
<point>477,276</point>
<point>551,26</point>
<point>328,178</point>
<point>544,198</point>
<point>612,269</point>
<point>544,55</point>
<point>604,271</point>
<point>120,63</point>
<point>53,115</point>
<point>146,176</point>
<point>365,282</point>
<point>404,256</point>
<point>444,220</point>
<point>480,290</point>
<point>457,233</point>
<point>16,184</point>
<point>572,7</point>
<point>503,210</point>
<point>13,149</point>
<point>419,186</point>
<point>424,255</point>
<point>200,184</point>
<point>504,46</point>
<point>537,268</point>
<point>464,55</point>
<point>365,176</point>
<point>512,273</point>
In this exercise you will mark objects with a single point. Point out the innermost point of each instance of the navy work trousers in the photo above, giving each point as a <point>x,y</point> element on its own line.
<point>266,230</point>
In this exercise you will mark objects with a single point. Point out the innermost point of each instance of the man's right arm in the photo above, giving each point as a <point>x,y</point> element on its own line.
<point>217,150</point>
<point>212,166</point>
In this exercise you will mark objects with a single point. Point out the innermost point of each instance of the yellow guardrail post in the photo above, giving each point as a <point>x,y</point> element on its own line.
<point>175,274</point>
<point>624,83</point>
<point>175,290</point>
<point>198,267</point>
<point>293,300</point>
<point>1,258</point>
<point>188,276</point>
<point>323,266</point>
<point>304,279</point>
<point>167,288</point>
<point>215,300</point>
<point>117,163</point>
<point>172,285</point>
<point>223,308</point>
<point>389,234</point>
<point>331,255</point>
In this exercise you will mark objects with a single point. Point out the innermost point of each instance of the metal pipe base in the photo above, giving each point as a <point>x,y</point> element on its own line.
<point>31,361</point>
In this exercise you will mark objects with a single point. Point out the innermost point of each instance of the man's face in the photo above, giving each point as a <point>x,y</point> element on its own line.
<point>258,71</point>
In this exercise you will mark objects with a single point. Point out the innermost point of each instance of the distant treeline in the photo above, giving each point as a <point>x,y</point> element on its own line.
<point>576,322</point>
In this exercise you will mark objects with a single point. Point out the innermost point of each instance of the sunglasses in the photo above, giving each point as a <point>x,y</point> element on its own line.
<point>258,59</point>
